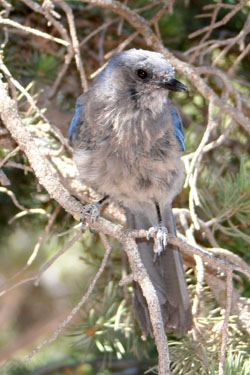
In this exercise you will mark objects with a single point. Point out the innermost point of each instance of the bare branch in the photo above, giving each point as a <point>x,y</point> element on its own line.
<point>17,165</point>
<point>30,30</point>
<point>226,321</point>
<point>10,154</point>
<point>75,43</point>
<point>28,211</point>
<point>192,171</point>
<point>222,22</point>
<point>4,179</point>
<point>13,198</point>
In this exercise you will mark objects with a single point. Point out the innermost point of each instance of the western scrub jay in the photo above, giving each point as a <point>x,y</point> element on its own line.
<point>128,139</point>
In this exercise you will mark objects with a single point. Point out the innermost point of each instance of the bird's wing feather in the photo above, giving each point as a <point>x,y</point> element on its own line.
<point>77,120</point>
<point>177,121</point>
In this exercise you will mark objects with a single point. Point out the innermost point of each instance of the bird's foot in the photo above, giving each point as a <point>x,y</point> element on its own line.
<point>160,234</point>
<point>90,213</point>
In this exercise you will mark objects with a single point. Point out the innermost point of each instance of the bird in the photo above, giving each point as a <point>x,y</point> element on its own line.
<point>127,138</point>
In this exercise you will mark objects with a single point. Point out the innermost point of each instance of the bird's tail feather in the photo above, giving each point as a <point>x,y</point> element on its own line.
<point>168,278</point>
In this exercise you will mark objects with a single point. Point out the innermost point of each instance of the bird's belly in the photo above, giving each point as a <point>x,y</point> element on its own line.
<point>131,184</point>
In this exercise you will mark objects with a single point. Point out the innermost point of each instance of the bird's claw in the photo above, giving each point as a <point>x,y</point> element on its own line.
<point>160,235</point>
<point>91,213</point>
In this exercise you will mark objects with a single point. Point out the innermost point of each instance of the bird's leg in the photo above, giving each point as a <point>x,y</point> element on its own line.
<point>92,211</point>
<point>159,232</point>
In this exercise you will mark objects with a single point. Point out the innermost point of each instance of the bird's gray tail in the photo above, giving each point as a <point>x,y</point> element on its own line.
<point>168,278</point>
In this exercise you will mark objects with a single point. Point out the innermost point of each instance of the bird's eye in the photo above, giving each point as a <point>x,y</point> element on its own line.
<point>142,73</point>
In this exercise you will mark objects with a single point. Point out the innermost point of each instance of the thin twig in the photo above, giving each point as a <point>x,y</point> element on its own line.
<point>17,165</point>
<point>237,40</point>
<point>29,211</point>
<point>210,125</point>
<point>226,320</point>
<point>4,179</point>
<point>13,197</point>
<point>75,43</point>
<point>49,14</point>
<point>10,154</point>
<point>192,172</point>
<point>96,31</point>
<point>222,22</point>
<point>30,30</point>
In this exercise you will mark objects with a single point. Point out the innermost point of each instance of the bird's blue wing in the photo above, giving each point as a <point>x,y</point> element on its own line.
<point>178,128</point>
<point>76,121</point>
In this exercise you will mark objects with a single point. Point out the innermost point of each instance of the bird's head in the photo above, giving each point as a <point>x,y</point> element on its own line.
<point>142,72</point>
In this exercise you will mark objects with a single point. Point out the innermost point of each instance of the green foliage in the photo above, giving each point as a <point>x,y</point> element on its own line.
<point>16,368</point>
<point>42,66</point>
<point>108,326</point>
<point>225,199</point>
<point>202,357</point>
<point>34,65</point>
<point>236,364</point>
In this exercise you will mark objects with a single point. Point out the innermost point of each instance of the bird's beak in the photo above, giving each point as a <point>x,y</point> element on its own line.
<point>173,85</point>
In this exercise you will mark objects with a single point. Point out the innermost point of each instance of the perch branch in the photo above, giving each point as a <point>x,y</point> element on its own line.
<point>226,321</point>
